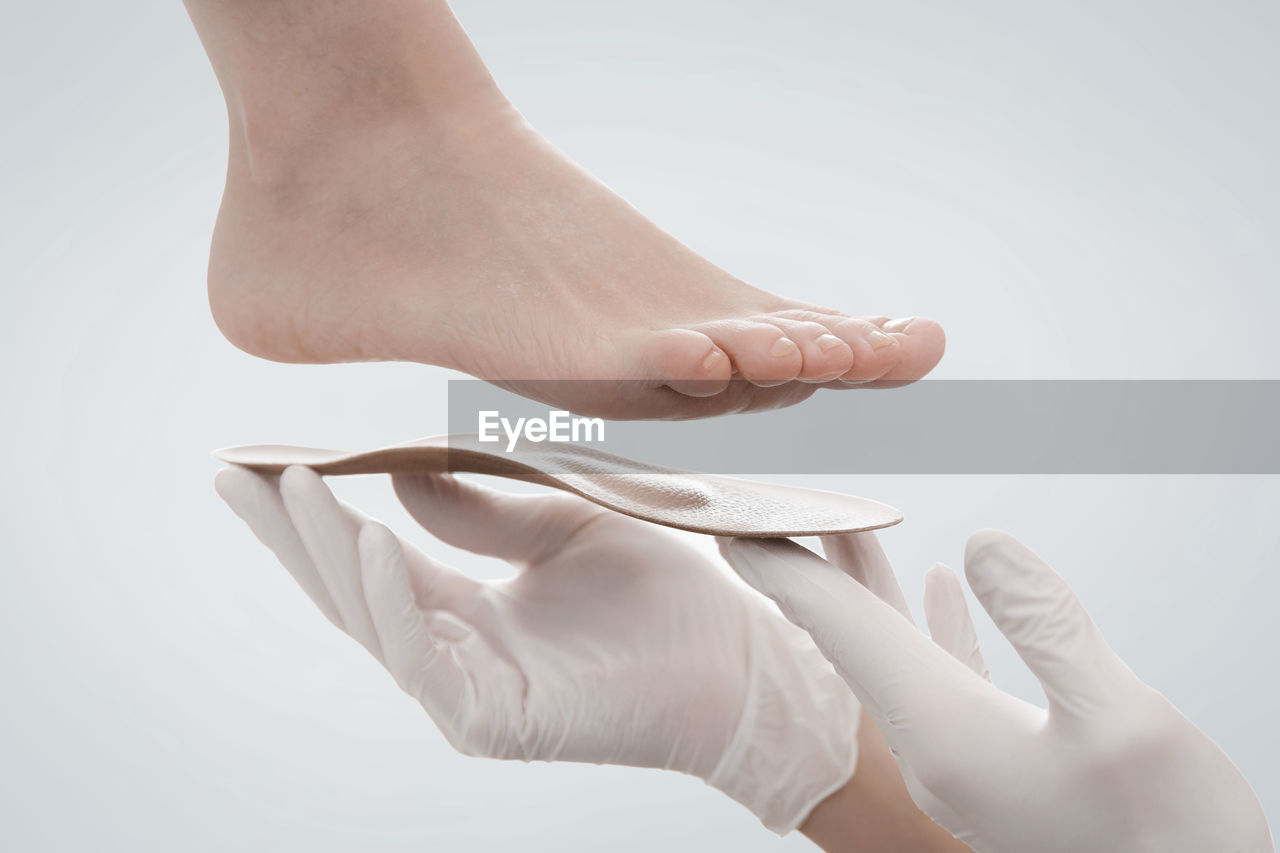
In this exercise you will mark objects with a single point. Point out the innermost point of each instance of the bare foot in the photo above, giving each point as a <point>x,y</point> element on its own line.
<point>407,212</point>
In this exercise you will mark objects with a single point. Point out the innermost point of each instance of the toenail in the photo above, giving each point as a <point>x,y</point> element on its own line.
<point>826,343</point>
<point>783,346</point>
<point>879,340</point>
<point>899,325</point>
<point>712,360</point>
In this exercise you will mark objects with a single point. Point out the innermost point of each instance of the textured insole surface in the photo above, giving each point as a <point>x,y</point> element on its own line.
<point>703,503</point>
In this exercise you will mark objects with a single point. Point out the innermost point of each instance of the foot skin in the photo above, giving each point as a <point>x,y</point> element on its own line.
<point>459,237</point>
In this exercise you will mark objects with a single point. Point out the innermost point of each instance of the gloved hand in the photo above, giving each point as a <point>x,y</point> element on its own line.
<point>615,644</point>
<point>1110,766</point>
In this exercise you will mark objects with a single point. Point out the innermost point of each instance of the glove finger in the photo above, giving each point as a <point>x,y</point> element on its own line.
<point>393,606</point>
<point>256,500</point>
<point>947,615</point>
<point>897,673</point>
<point>329,532</point>
<point>435,585</point>
<point>1040,615</point>
<point>860,556</point>
<point>520,529</point>
<point>427,652</point>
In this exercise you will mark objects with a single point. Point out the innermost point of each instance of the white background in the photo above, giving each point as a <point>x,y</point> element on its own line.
<point>1083,191</point>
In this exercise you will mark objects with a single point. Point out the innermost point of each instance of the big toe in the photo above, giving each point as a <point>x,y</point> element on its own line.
<point>920,341</point>
<point>887,350</point>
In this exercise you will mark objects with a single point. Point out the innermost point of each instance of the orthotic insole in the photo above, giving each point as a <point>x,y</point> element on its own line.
<point>702,503</point>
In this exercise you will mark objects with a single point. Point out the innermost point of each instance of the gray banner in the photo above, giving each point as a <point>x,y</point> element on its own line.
<point>930,427</point>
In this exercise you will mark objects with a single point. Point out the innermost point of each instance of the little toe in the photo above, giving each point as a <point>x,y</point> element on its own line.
<point>686,361</point>
<point>761,353</point>
<point>826,356</point>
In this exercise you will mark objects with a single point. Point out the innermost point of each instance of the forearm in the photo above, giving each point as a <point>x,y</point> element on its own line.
<point>874,812</point>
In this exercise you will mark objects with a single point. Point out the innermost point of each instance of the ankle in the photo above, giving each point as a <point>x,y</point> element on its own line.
<point>282,158</point>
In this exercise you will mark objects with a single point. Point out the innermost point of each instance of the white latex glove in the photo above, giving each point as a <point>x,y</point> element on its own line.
<point>614,644</point>
<point>1110,766</point>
